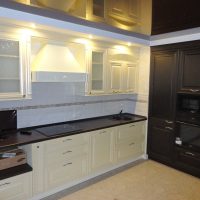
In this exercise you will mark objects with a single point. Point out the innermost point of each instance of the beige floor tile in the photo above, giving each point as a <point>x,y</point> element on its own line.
<point>146,181</point>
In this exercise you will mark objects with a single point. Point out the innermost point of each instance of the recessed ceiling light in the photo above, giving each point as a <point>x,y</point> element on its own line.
<point>33,25</point>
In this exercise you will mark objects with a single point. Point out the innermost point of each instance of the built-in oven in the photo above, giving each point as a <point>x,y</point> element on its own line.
<point>187,149</point>
<point>188,136</point>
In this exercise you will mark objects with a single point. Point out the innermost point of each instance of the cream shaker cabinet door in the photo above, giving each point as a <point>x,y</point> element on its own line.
<point>130,141</point>
<point>102,149</point>
<point>16,188</point>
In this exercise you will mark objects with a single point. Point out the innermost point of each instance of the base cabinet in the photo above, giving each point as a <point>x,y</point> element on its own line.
<point>102,149</point>
<point>16,188</point>
<point>65,161</point>
<point>130,141</point>
<point>160,140</point>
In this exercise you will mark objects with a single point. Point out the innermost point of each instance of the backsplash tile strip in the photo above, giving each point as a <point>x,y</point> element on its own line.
<point>70,104</point>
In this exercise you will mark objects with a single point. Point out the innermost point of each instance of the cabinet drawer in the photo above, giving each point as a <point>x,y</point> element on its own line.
<point>16,188</point>
<point>129,150</point>
<point>64,153</point>
<point>134,131</point>
<point>68,141</point>
<point>66,171</point>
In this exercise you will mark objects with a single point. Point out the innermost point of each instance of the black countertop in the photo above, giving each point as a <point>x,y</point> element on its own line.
<point>85,125</point>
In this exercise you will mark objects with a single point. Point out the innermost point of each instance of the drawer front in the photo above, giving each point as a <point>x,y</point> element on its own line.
<point>16,188</point>
<point>129,150</point>
<point>131,131</point>
<point>188,158</point>
<point>61,154</point>
<point>73,140</point>
<point>66,171</point>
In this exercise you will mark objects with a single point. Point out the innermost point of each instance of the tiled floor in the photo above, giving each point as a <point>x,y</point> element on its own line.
<point>148,180</point>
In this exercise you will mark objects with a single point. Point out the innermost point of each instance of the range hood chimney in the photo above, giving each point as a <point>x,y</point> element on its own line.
<point>57,63</point>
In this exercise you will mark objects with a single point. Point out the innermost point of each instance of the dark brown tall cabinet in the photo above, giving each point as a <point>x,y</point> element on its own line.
<point>174,106</point>
<point>162,103</point>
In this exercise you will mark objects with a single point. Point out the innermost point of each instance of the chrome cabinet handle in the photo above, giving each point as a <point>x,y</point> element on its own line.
<point>132,125</point>
<point>169,128</point>
<point>66,152</point>
<point>70,163</point>
<point>169,122</point>
<point>68,139</point>
<point>5,184</point>
<point>131,143</point>
<point>193,90</point>
<point>189,153</point>
<point>102,132</point>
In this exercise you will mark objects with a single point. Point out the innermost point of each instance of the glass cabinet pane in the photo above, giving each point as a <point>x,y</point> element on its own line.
<point>9,66</point>
<point>98,8</point>
<point>97,70</point>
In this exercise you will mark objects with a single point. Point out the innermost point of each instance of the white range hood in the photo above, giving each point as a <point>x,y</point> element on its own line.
<point>57,63</point>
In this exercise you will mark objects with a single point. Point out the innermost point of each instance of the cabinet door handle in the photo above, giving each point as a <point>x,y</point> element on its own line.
<point>5,184</point>
<point>131,143</point>
<point>189,153</point>
<point>68,139</point>
<point>70,163</point>
<point>169,122</point>
<point>66,152</point>
<point>193,90</point>
<point>169,128</point>
<point>102,132</point>
<point>132,125</point>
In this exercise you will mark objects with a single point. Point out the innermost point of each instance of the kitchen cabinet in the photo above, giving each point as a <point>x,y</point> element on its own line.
<point>183,15</point>
<point>102,149</point>
<point>130,141</point>
<point>123,14</point>
<point>16,188</point>
<point>188,161</point>
<point>66,160</point>
<point>189,68</point>
<point>163,75</point>
<point>97,70</point>
<point>124,77</point>
<point>15,66</point>
<point>162,103</point>
<point>161,140</point>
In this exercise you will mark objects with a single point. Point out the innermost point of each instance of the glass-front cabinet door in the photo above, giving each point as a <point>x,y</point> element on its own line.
<point>97,75</point>
<point>14,68</point>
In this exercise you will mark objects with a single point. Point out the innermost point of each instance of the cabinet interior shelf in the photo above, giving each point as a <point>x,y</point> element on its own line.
<point>9,78</point>
<point>8,56</point>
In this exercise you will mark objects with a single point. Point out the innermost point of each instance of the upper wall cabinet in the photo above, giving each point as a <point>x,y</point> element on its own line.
<point>170,15</point>
<point>131,15</point>
<point>14,67</point>
<point>123,14</point>
<point>112,70</point>
<point>189,69</point>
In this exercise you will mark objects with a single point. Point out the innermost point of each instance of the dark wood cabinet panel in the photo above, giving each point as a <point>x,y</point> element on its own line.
<point>160,140</point>
<point>174,15</point>
<point>163,84</point>
<point>189,70</point>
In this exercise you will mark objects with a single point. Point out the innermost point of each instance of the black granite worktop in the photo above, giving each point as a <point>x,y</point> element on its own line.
<point>85,125</point>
